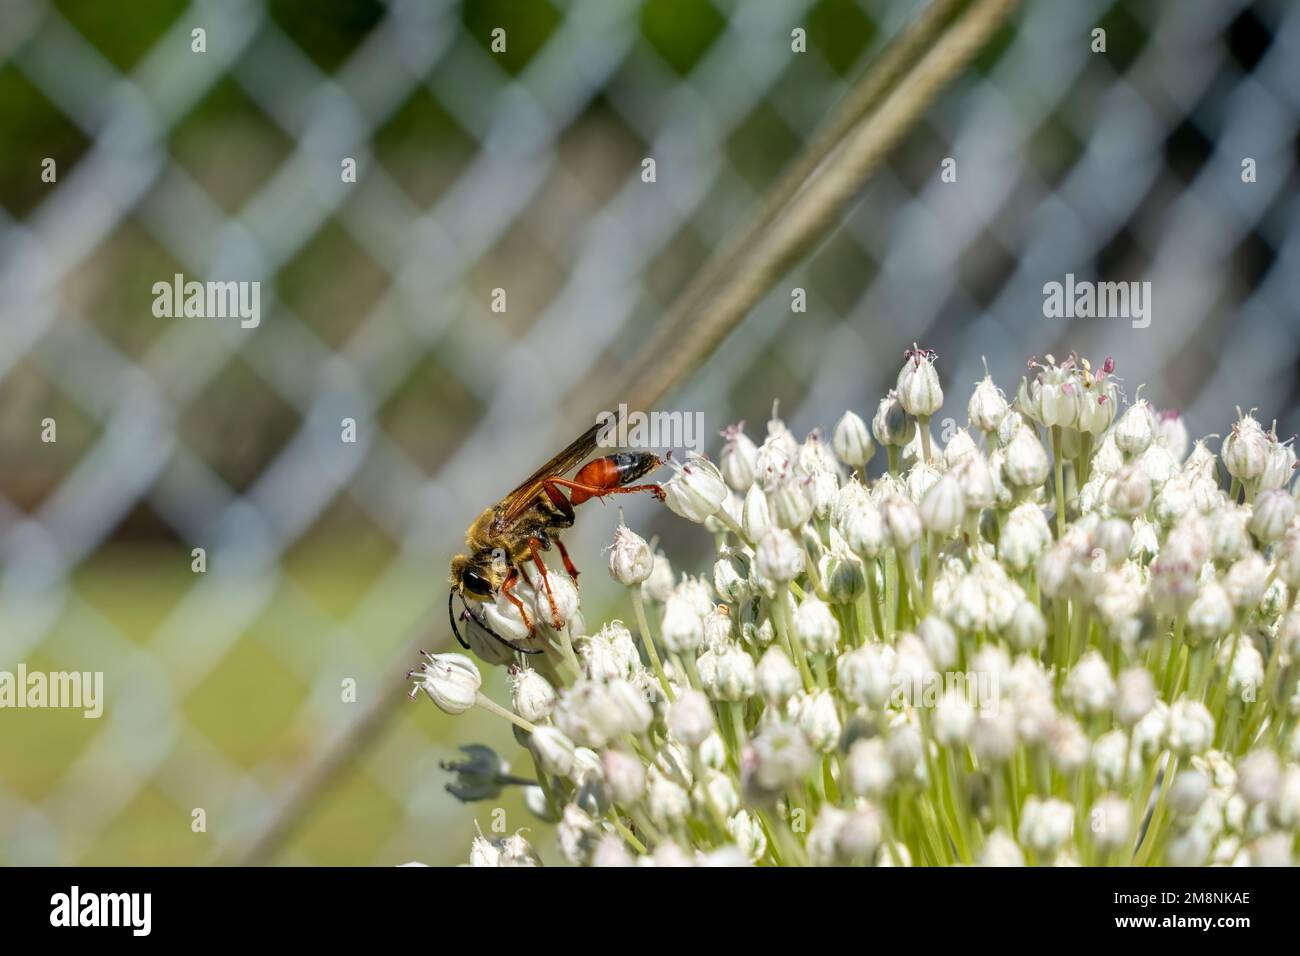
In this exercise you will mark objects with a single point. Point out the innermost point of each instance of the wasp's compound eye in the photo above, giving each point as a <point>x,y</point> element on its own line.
<point>475,583</point>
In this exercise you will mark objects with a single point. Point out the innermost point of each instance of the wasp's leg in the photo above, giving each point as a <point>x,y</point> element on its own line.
<point>508,589</point>
<point>595,491</point>
<point>535,546</point>
<point>568,562</point>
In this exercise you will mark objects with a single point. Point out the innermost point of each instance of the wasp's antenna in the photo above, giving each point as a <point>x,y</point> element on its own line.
<point>451,614</point>
<point>483,624</point>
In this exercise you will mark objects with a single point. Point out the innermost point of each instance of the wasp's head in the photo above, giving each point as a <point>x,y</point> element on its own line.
<point>477,576</point>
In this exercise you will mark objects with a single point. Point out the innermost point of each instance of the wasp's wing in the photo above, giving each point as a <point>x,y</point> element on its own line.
<point>522,498</point>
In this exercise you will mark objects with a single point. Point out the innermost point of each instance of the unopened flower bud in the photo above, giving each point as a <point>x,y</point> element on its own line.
<point>890,425</point>
<point>816,627</point>
<point>1136,429</point>
<point>690,718</point>
<point>624,775</point>
<point>554,751</point>
<point>696,491</point>
<point>776,678</point>
<point>778,557</point>
<point>1190,729</point>
<point>532,695</point>
<point>943,507</point>
<point>902,521</point>
<point>1025,463</point>
<point>1110,823</point>
<point>1135,695</point>
<point>918,384</point>
<point>987,406</point>
<point>1045,824</point>
<point>452,681</point>
<point>738,458</point>
<point>789,502</point>
<point>852,441</point>
<point>630,559</point>
<point>1273,513</point>
<point>1246,449</point>
<point>781,756</point>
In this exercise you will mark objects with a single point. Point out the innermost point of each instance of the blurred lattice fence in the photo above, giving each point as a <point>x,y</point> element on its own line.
<point>518,170</point>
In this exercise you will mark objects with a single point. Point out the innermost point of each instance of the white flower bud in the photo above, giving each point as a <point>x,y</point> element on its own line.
<point>975,479</point>
<point>1171,434</point>
<point>738,458</point>
<point>987,406</point>
<point>781,756</point>
<point>661,582</point>
<point>636,712</point>
<point>532,695</point>
<point>823,838</point>
<point>860,835</point>
<point>776,678</point>
<point>778,557</point>
<point>554,751</point>
<point>1024,537</point>
<point>1259,777</point>
<point>1000,850</point>
<point>918,384</point>
<point>864,675</point>
<point>611,851</point>
<point>868,770</point>
<point>1279,467</point>
<point>852,441</point>
<point>452,681</point>
<point>1025,463</point>
<point>589,714</point>
<point>1190,728</point>
<point>1245,580</point>
<point>890,424</point>
<point>749,835</point>
<point>1068,745</point>
<point>954,719</point>
<point>736,675</point>
<point>1273,513</point>
<point>816,627</point>
<point>1128,491</point>
<point>789,502</point>
<point>667,802</point>
<point>630,558</point>
<point>819,720</point>
<point>993,736</point>
<point>690,718</point>
<point>1287,806</point>
<point>1089,685</point>
<point>1110,823</point>
<point>940,641</point>
<point>731,577</point>
<point>682,627</point>
<point>1135,695</point>
<point>1108,759</point>
<point>1210,614</point>
<point>624,775</point>
<point>1245,451</point>
<point>906,750</point>
<point>902,522</point>
<point>1028,628</point>
<point>958,447</point>
<point>1247,672</point>
<point>600,661</point>
<point>696,490</point>
<point>1189,790</point>
<point>1045,825</point>
<point>577,834</point>
<point>755,516</point>
<point>716,792</point>
<point>863,529</point>
<point>1136,429</point>
<point>943,507</point>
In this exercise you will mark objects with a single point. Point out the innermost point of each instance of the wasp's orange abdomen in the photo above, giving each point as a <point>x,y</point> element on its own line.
<point>612,471</point>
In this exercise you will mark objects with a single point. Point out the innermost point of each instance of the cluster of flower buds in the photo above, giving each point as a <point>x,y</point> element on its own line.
<point>1064,634</point>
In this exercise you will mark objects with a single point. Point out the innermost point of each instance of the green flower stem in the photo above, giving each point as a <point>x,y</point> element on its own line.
<point>625,833</point>
<point>492,707</point>
<point>1058,466</point>
<point>789,640</point>
<point>732,526</point>
<point>923,425</point>
<point>1146,850</point>
<point>912,589</point>
<point>647,639</point>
